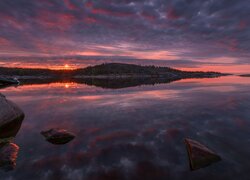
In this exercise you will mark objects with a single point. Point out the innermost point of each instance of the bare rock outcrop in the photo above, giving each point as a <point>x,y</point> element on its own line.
<point>11,117</point>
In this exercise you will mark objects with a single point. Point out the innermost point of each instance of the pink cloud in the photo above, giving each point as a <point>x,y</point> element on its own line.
<point>12,21</point>
<point>172,14</point>
<point>243,25</point>
<point>4,42</point>
<point>148,16</point>
<point>70,5</point>
<point>110,13</point>
<point>89,4</point>
<point>57,20</point>
<point>90,20</point>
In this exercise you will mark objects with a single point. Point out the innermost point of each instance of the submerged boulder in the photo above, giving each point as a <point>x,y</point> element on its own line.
<point>11,117</point>
<point>8,156</point>
<point>58,136</point>
<point>199,155</point>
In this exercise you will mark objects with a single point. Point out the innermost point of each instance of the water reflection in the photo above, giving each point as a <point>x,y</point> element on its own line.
<point>3,86</point>
<point>133,133</point>
<point>111,83</point>
<point>9,150</point>
<point>8,156</point>
<point>11,129</point>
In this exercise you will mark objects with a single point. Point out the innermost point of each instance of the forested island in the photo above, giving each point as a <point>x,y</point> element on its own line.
<point>111,70</point>
<point>110,75</point>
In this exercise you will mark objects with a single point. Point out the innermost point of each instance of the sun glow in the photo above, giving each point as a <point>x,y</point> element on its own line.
<point>70,85</point>
<point>66,86</point>
<point>66,66</point>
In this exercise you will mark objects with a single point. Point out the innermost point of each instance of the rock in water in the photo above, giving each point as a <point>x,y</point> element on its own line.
<point>8,156</point>
<point>199,155</point>
<point>11,117</point>
<point>58,136</point>
<point>9,111</point>
<point>11,129</point>
<point>5,80</point>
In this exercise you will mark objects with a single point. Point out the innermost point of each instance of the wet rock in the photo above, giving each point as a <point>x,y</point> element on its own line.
<point>58,136</point>
<point>11,117</point>
<point>8,156</point>
<point>199,155</point>
<point>11,129</point>
<point>9,111</point>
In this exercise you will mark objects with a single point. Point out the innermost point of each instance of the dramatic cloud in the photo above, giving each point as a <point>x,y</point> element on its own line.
<point>197,30</point>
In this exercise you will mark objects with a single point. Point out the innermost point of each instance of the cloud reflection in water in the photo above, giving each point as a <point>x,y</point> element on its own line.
<point>134,133</point>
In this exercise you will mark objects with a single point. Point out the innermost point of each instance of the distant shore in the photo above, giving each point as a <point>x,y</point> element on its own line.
<point>112,75</point>
<point>107,70</point>
<point>113,71</point>
<point>245,75</point>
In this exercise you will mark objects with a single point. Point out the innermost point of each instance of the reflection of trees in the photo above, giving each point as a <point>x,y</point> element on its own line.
<point>2,86</point>
<point>117,83</point>
<point>111,75</point>
<point>111,83</point>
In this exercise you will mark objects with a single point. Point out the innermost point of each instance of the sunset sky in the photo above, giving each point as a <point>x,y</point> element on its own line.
<point>186,34</point>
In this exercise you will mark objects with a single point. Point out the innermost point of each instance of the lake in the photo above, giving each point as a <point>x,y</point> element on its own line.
<point>133,133</point>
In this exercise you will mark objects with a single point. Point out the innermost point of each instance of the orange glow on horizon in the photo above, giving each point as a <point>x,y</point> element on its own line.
<point>238,69</point>
<point>70,85</point>
<point>66,86</point>
<point>55,85</point>
<point>66,66</point>
<point>41,66</point>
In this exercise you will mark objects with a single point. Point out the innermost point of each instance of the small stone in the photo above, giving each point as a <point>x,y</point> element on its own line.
<point>58,136</point>
<point>200,156</point>
<point>8,156</point>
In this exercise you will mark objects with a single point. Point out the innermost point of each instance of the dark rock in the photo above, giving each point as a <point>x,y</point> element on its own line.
<point>58,136</point>
<point>9,111</point>
<point>8,156</point>
<point>6,81</point>
<point>199,155</point>
<point>10,129</point>
<point>11,117</point>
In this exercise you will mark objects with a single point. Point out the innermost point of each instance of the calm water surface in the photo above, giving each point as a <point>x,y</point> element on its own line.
<point>133,133</point>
